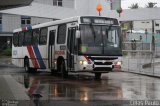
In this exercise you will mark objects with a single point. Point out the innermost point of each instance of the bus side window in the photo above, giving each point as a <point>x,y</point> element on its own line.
<point>43,36</point>
<point>28,38</point>
<point>15,39</point>
<point>21,38</point>
<point>35,39</point>
<point>51,37</point>
<point>61,36</point>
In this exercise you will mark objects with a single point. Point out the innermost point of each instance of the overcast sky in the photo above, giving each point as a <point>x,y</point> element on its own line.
<point>142,3</point>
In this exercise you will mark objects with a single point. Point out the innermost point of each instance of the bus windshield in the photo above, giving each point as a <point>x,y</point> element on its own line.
<point>99,40</point>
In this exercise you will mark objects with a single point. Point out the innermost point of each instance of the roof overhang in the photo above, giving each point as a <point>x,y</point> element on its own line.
<point>6,4</point>
<point>137,14</point>
<point>42,11</point>
<point>6,34</point>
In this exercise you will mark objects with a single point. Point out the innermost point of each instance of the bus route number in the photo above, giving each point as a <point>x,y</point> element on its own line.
<point>59,52</point>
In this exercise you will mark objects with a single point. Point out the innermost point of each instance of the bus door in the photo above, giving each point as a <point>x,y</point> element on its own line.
<point>71,47</point>
<point>52,33</point>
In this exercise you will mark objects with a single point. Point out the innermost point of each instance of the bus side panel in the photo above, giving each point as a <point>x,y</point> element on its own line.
<point>20,57</point>
<point>17,56</point>
<point>14,55</point>
<point>42,56</point>
<point>26,51</point>
<point>37,56</point>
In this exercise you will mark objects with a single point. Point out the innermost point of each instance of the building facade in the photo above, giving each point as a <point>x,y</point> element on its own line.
<point>146,25</point>
<point>9,22</point>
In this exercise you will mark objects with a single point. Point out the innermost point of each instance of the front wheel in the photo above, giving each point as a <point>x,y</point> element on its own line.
<point>97,76</point>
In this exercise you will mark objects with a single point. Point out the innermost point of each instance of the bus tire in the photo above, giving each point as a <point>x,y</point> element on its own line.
<point>97,76</point>
<point>53,71</point>
<point>62,69</point>
<point>27,67</point>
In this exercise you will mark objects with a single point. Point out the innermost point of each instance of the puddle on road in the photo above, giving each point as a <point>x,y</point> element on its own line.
<point>47,87</point>
<point>44,87</point>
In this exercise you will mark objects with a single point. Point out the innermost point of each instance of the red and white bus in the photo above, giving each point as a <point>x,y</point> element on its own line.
<point>77,44</point>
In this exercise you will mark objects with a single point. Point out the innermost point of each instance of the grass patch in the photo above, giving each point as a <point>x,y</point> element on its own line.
<point>6,52</point>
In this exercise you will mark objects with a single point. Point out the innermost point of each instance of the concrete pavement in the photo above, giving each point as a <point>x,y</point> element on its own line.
<point>11,90</point>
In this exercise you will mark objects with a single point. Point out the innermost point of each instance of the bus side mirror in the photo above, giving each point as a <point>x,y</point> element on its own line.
<point>77,34</point>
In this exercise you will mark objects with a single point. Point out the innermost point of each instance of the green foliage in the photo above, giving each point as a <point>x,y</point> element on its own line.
<point>7,52</point>
<point>134,6</point>
<point>151,5</point>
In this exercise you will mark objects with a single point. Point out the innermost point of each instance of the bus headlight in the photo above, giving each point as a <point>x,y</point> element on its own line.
<point>81,62</point>
<point>118,63</point>
<point>85,62</point>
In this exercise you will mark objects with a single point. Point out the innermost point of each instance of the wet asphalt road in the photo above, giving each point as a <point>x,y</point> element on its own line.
<point>43,89</point>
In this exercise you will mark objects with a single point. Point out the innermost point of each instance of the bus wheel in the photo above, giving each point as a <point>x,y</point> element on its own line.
<point>97,76</point>
<point>26,65</point>
<point>53,72</point>
<point>63,69</point>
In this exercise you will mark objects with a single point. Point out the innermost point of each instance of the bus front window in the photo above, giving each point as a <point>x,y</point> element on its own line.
<point>99,40</point>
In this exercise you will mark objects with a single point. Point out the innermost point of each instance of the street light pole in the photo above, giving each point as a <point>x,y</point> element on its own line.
<point>153,38</point>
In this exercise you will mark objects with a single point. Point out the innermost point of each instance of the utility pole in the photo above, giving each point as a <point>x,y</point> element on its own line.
<point>153,38</point>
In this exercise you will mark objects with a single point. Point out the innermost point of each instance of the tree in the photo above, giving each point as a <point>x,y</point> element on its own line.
<point>134,6</point>
<point>151,5</point>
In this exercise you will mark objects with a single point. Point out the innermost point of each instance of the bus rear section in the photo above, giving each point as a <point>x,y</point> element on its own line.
<point>29,49</point>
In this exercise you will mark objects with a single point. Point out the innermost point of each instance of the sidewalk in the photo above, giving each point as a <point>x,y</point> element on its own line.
<point>11,90</point>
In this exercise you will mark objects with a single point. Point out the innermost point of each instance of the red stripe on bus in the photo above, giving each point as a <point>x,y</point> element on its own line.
<point>32,56</point>
<point>24,29</point>
<point>87,58</point>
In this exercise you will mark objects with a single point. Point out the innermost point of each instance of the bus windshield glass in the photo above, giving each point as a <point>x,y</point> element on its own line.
<point>99,40</point>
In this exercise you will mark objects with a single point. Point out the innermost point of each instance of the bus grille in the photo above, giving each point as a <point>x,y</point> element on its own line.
<point>102,63</point>
<point>103,58</point>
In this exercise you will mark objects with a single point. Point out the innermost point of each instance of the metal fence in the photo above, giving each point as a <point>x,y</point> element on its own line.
<point>136,46</point>
<point>141,56</point>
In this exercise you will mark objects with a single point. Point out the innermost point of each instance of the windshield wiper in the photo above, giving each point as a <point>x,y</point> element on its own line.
<point>93,31</point>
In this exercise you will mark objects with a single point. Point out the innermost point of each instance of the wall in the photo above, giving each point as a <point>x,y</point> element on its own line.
<point>88,7</point>
<point>157,28</point>
<point>66,3</point>
<point>48,2</point>
<point>142,25</point>
<point>69,3</point>
<point>36,20</point>
<point>10,22</point>
<point>115,4</point>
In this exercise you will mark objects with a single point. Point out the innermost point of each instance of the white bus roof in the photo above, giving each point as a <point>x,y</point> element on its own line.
<point>51,23</point>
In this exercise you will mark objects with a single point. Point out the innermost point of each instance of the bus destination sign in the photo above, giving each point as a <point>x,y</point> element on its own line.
<point>100,20</point>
